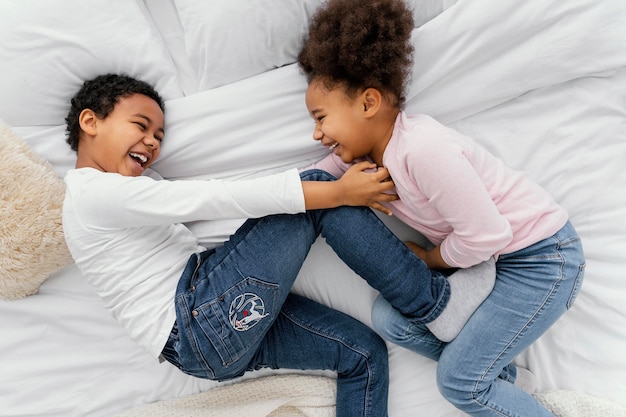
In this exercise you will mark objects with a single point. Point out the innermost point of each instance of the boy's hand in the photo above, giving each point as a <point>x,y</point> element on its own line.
<point>361,188</point>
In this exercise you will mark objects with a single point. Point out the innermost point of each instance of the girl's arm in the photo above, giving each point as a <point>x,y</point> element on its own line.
<point>354,188</point>
<point>447,169</point>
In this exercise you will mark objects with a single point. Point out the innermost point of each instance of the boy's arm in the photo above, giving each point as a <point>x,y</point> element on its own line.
<point>115,201</point>
<point>354,188</point>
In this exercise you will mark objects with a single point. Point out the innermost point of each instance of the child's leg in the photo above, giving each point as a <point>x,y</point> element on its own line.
<point>398,329</point>
<point>227,301</point>
<point>533,288</point>
<point>370,249</point>
<point>308,335</point>
<point>393,326</point>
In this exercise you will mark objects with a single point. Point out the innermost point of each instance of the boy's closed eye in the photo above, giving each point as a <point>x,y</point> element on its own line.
<point>144,126</point>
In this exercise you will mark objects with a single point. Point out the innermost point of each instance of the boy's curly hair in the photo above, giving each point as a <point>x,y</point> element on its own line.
<point>361,44</point>
<point>100,95</point>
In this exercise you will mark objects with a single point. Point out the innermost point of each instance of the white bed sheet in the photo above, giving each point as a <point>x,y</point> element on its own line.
<point>541,83</point>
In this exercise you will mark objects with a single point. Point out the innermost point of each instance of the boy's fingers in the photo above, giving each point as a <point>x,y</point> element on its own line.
<point>386,185</point>
<point>383,175</point>
<point>382,209</point>
<point>363,165</point>
<point>389,197</point>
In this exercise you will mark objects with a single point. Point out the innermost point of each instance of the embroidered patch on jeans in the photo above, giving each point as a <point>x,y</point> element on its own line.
<point>246,311</point>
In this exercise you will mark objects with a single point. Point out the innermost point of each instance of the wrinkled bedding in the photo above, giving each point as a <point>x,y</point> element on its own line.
<point>540,83</point>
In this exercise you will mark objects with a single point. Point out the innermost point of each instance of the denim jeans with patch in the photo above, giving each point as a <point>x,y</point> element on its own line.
<point>235,312</point>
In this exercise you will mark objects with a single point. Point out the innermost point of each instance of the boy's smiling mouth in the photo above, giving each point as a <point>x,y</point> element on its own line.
<point>140,158</point>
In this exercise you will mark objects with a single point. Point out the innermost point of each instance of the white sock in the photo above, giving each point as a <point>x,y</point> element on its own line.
<point>468,289</point>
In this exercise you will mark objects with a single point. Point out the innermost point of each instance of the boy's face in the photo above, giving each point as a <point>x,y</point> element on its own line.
<point>127,141</point>
<point>339,121</point>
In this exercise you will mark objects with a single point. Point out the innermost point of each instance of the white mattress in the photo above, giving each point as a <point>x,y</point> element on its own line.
<point>541,83</point>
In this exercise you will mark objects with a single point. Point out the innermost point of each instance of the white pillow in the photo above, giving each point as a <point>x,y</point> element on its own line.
<point>50,47</point>
<point>426,10</point>
<point>230,40</point>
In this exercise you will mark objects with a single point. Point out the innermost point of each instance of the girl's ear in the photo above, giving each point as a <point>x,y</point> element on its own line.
<point>372,100</point>
<point>88,122</point>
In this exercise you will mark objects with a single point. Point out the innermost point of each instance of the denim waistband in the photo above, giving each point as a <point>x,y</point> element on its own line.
<point>169,352</point>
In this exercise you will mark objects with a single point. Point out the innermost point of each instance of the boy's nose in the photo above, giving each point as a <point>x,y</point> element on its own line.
<point>151,142</point>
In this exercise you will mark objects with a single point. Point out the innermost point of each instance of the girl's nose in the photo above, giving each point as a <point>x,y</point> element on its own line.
<point>317,133</point>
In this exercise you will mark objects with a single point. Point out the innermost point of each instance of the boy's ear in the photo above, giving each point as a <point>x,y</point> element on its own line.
<point>372,100</point>
<point>88,121</point>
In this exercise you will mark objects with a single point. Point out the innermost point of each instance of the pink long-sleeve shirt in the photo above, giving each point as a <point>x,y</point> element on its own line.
<point>459,195</point>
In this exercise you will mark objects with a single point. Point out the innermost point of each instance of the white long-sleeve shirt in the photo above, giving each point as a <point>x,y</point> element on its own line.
<point>127,238</point>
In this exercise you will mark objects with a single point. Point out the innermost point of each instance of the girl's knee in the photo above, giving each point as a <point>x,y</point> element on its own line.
<point>387,321</point>
<point>378,314</point>
<point>460,391</point>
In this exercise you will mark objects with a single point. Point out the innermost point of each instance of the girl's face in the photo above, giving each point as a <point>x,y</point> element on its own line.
<point>128,140</point>
<point>339,121</point>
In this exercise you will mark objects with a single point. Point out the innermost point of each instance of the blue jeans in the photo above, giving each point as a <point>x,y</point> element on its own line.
<point>235,312</point>
<point>534,287</point>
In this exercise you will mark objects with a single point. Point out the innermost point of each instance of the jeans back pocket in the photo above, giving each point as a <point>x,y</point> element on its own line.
<point>229,328</point>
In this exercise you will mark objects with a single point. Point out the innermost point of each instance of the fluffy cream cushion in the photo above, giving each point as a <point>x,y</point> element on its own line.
<point>32,245</point>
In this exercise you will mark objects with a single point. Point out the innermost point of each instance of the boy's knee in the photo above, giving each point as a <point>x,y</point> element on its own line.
<point>372,354</point>
<point>378,347</point>
<point>316,175</point>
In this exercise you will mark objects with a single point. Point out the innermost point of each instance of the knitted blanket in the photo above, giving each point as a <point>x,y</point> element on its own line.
<point>314,396</point>
<point>576,404</point>
<point>272,396</point>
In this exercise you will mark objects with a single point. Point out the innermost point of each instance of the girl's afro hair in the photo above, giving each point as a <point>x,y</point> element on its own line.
<point>361,44</point>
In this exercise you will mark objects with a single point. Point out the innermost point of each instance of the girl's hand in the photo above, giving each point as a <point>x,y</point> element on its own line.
<point>360,188</point>
<point>417,250</point>
<point>431,257</point>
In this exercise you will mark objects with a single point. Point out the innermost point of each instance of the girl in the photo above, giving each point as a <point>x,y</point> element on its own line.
<point>357,60</point>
